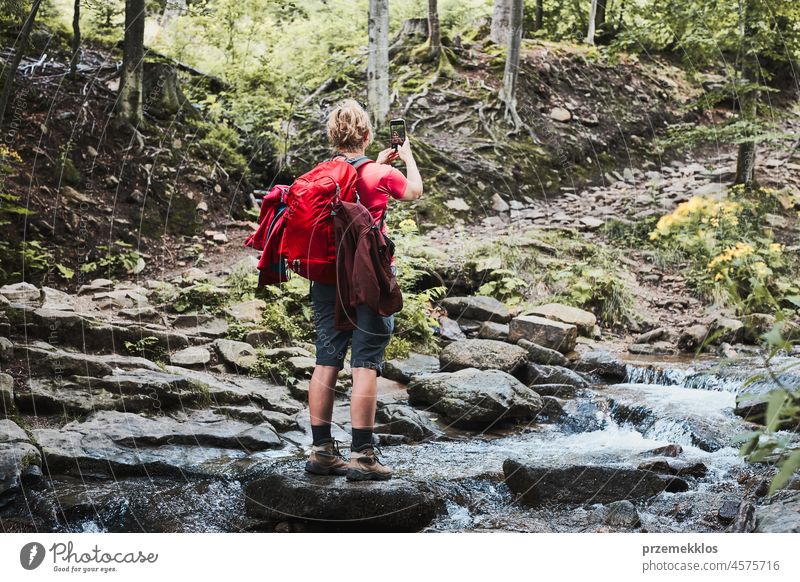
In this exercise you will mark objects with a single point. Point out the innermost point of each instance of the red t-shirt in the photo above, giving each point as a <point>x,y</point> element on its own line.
<point>376,183</point>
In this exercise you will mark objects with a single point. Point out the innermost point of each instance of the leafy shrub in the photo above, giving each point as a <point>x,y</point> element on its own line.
<point>115,260</point>
<point>504,285</point>
<point>731,257</point>
<point>221,144</point>
<point>288,313</point>
<point>591,285</point>
<point>148,347</point>
<point>201,297</point>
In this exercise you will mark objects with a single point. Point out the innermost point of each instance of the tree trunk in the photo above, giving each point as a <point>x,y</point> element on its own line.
<point>539,19</point>
<point>378,62</point>
<point>511,73</point>
<point>130,86</point>
<point>434,31</point>
<point>500,31</point>
<point>592,16</point>
<point>746,159</point>
<point>173,9</point>
<point>76,39</point>
<point>19,48</point>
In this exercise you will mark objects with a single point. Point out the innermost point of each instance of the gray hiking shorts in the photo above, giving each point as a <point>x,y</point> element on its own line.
<point>369,339</point>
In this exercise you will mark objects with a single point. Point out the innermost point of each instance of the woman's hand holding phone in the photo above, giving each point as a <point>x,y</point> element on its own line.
<point>404,152</point>
<point>387,156</point>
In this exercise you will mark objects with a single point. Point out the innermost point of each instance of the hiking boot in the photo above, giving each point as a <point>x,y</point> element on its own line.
<point>326,459</point>
<point>364,466</point>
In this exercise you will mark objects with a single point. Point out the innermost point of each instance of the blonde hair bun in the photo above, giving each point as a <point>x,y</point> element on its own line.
<point>349,126</point>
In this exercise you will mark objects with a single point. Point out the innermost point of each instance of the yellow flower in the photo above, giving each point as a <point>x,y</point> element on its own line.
<point>776,247</point>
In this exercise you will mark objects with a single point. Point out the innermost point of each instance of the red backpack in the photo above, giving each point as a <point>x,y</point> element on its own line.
<point>309,242</point>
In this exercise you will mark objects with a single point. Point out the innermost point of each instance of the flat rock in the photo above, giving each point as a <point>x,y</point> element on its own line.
<point>477,307</point>
<point>545,332</point>
<point>21,293</point>
<point>659,348</point>
<point>580,483</point>
<point>483,355</point>
<point>246,311</point>
<point>450,330</point>
<point>197,442</point>
<point>293,495</point>
<point>44,359</point>
<point>405,370</point>
<point>493,331</point>
<point>617,514</point>
<point>398,419</point>
<point>475,396</point>
<point>57,300</point>
<point>583,320</point>
<point>602,364</point>
<point>191,356</point>
<point>541,374</point>
<point>132,390</point>
<point>541,355</point>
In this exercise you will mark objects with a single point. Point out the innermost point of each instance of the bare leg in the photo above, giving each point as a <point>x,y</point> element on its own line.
<point>320,394</point>
<point>364,398</point>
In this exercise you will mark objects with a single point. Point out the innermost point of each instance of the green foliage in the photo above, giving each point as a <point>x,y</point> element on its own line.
<point>114,260</point>
<point>771,443</point>
<point>237,331</point>
<point>596,286</point>
<point>148,347</point>
<point>731,256</point>
<point>415,324</point>
<point>241,285</point>
<point>222,144</point>
<point>288,314</point>
<point>268,367</point>
<point>504,285</point>
<point>200,297</point>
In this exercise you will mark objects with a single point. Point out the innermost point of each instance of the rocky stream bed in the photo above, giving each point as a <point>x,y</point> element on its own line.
<point>536,429</point>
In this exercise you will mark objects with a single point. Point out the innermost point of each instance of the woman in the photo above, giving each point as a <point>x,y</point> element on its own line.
<point>350,133</point>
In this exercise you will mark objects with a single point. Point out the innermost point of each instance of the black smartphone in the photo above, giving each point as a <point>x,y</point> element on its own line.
<point>397,130</point>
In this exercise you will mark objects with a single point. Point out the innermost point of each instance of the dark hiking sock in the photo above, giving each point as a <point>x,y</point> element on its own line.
<point>362,438</point>
<point>321,433</point>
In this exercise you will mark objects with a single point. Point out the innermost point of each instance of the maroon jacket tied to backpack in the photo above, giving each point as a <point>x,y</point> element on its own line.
<point>363,266</point>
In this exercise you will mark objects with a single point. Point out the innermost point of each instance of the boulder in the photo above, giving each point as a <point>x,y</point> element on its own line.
<point>726,330</point>
<point>21,293</point>
<point>474,396</point>
<point>202,325</point>
<point>239,354</point>
<point>556,390</point>
<point>17,457</point>
<point>780,515</point>
<point>6,395</point>
<point>194,442</point>
<point>293,495</point>
<point>483,355</point>
<point>405,370</point>
<point>540,374</point>
<point>7,349</point>
<point>476,307</point>
<point>43,359</point>
<point>148,314</point>
<point>301,367</point>
<point>602,364</point>
<point>580,483</point>
<point>493,331</point>
<point>541,355</point>
<point>693,338</point>
<point>675,467</point>
<point>398,419</point>
<point>545,332</point>
<point>57,300</point>
<point>617,514</point>
<point>580,318</point>
<point>450,330</point>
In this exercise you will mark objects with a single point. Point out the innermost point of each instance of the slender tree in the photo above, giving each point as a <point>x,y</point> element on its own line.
<point>130,86</point>
<point>511,73</point>
<point>434,30</point>
<point>500,30</point>
<point>378,61</point>
<point>592,23</point>
<point>749,93</point>
<point>539,18</point>
<point>76,38</point>
<point>19,48</point>
<point>600,14</point>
